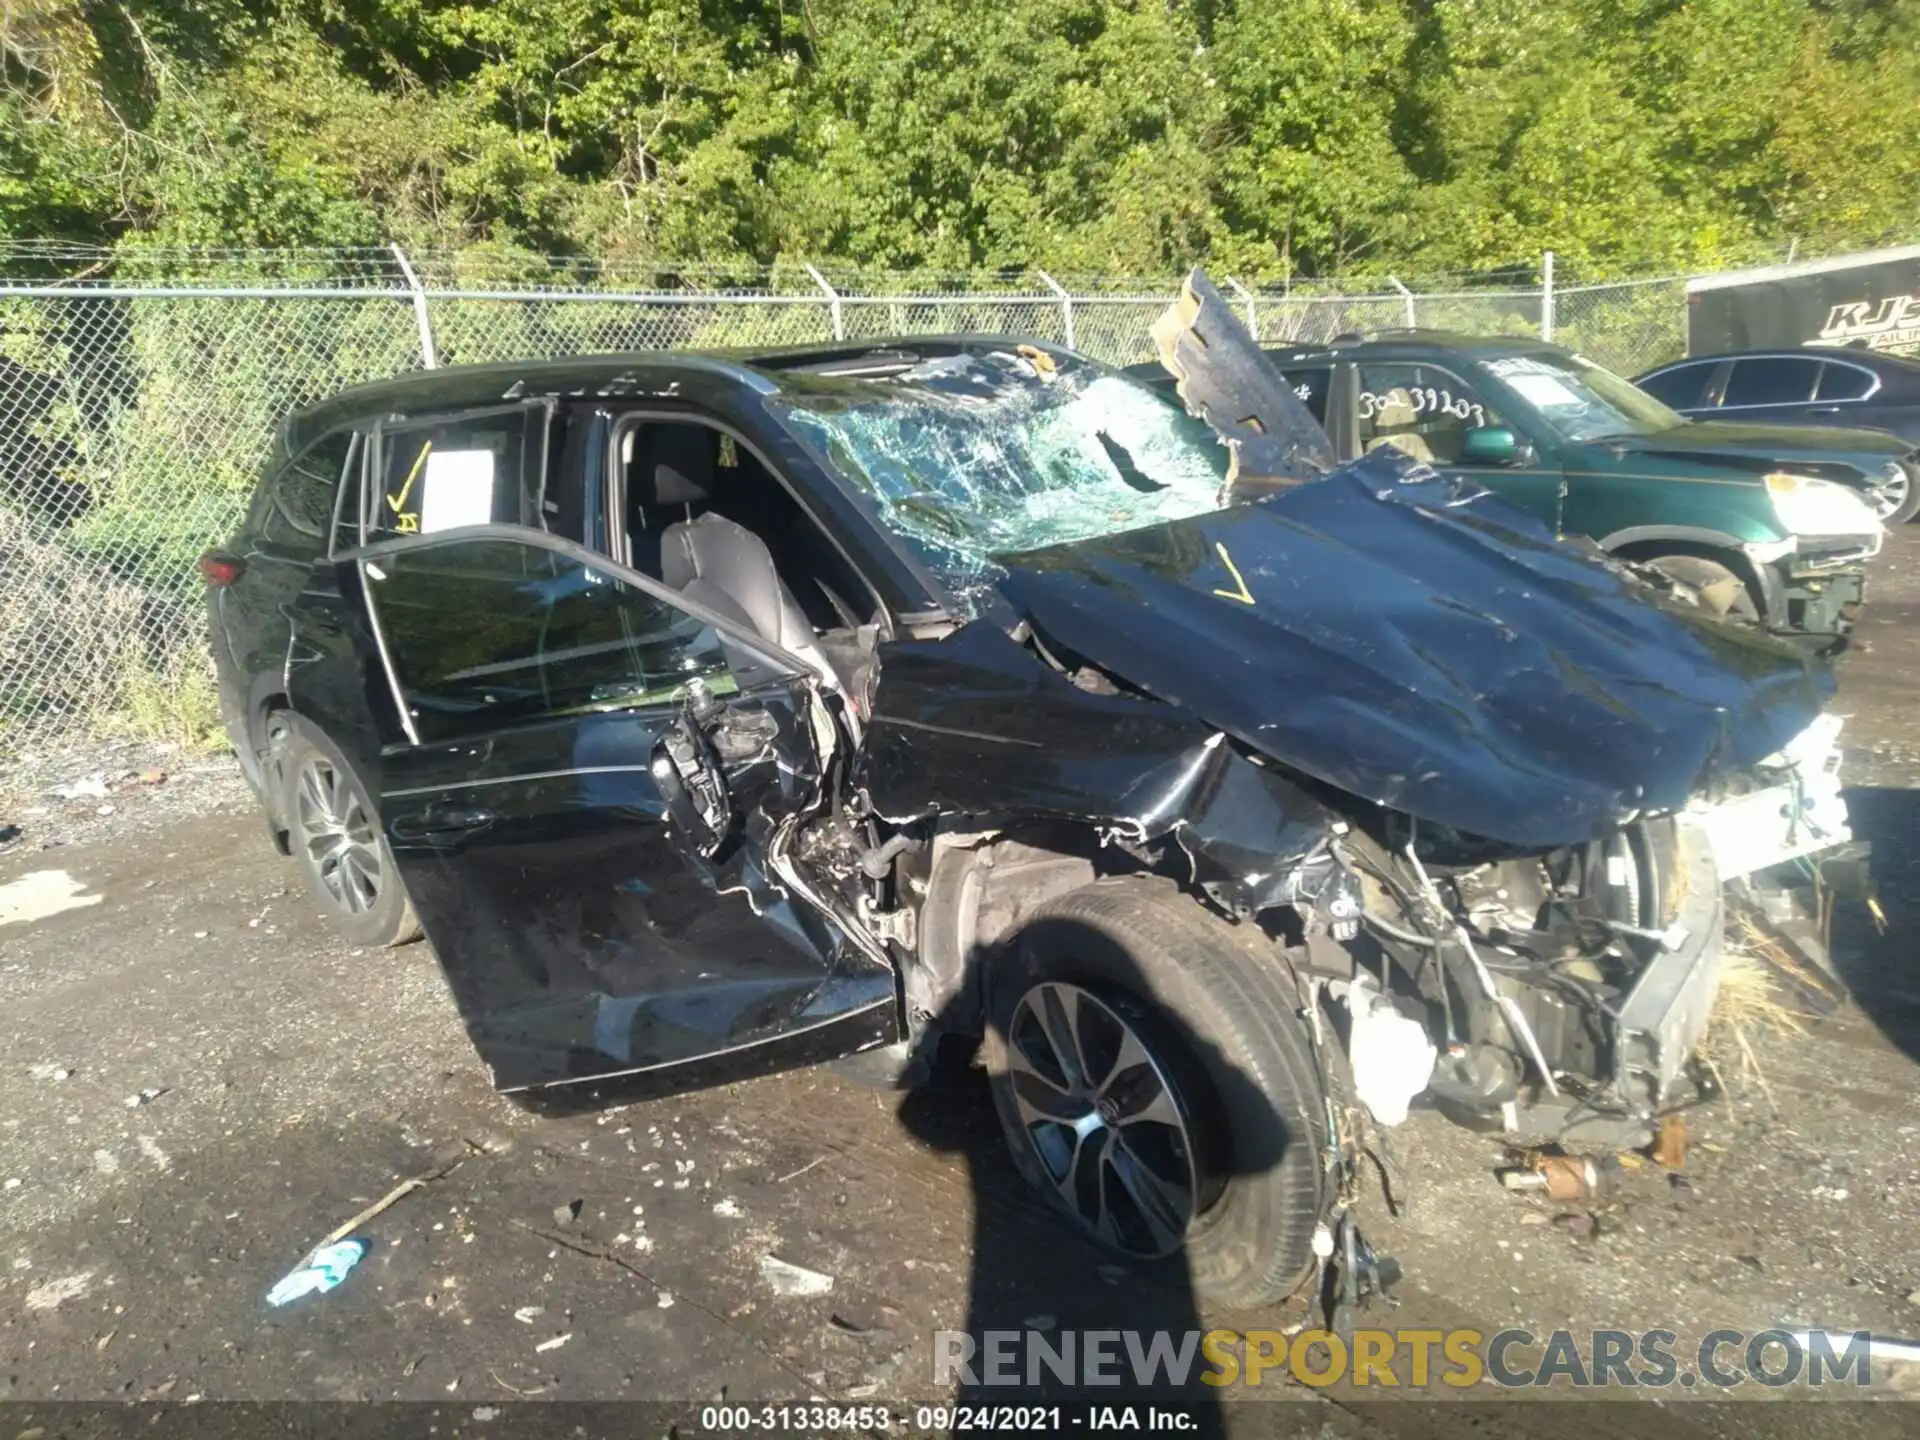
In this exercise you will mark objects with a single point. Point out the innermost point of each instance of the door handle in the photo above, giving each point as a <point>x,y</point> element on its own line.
<point>442,821</point>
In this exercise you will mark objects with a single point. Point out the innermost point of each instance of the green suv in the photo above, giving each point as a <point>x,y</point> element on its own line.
<point>1778,540</point>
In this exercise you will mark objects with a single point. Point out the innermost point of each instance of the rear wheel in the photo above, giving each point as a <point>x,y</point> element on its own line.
<point>1157,1086</point>
<point>1720,589</point>
<point>334,833</point>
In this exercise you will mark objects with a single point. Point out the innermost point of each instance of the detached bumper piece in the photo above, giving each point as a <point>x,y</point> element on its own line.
<point>1664,1017</point>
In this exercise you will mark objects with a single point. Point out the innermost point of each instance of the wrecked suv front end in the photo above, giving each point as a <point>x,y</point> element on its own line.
<point>1363,787</point>
<point>1536,775</point>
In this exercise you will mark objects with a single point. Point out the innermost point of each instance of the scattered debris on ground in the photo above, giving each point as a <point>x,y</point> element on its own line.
<point>790,1281</point>
<point>322,1271</point>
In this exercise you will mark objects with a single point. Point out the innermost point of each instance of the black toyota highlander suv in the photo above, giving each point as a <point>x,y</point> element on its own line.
<point>718,713</point>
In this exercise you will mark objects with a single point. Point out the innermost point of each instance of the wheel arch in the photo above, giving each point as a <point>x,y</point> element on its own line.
<point>261,718</point>
<point>259,723</point>
<point>982,884</point>
<point>1650,542</point>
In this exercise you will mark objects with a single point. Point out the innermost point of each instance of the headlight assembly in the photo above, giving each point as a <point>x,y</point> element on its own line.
<point>1807,506</point>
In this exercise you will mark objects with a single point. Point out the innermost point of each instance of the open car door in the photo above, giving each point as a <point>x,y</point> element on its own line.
<point>593,805</point>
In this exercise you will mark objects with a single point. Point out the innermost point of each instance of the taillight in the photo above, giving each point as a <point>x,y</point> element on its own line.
<point>220,569</point>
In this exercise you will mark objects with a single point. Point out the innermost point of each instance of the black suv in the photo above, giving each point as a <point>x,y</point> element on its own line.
<point>757,709</point>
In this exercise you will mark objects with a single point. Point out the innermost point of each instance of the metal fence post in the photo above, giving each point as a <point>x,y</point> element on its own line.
<point>1066,305</point>
<point>1406,300</point>
<point>1546,296</point>
<point>1246,298</point>
<point>428,356</point>
<point>833,302</point>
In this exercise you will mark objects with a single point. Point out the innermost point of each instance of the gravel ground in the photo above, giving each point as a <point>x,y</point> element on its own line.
<point>92,794</point>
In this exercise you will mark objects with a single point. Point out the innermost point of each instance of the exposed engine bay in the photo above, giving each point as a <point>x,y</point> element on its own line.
<point>1564,993</point>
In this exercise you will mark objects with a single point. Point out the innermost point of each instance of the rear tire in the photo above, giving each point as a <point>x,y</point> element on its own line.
<point>1722,592</point>
<point>1223,1088</point>
<point>334,833</point>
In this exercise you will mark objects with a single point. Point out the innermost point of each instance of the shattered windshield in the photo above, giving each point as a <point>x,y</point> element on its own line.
<point>1582,400</point>
<point>969,457</point>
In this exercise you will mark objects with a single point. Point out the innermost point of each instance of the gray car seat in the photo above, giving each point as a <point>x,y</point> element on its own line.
<point>707,557</point>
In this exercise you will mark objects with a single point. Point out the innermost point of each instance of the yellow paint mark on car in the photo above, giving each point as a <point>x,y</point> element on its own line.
<point>1243,595</point>
<point>408,522</point>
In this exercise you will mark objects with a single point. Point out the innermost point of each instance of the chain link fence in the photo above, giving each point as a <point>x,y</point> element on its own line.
<point>139,395</point>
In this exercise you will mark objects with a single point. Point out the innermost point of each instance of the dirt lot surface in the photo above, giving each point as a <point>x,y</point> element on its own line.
<point>197,1082</point>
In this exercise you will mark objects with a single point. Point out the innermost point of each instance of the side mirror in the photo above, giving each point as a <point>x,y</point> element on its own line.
<point>1493,445</point>
<point>691,788</point>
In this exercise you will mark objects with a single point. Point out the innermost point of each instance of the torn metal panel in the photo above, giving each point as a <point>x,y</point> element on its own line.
<point>973,726</point>
<point>1663,1018</point>
<point>1419,643</point>
<point>580,940</point>
<point>1224,378</point>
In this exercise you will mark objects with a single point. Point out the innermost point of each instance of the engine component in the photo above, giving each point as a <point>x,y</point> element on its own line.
<point>1390,1055</point>
<point>1562,1177</point>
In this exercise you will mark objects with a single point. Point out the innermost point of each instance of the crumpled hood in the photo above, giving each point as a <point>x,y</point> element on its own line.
<point>1419,642</point>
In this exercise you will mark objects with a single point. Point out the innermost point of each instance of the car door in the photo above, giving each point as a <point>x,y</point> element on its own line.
<point>1769,387</point>
<point>1842,396</point>
<point>1430,412</point>
<point>593,803</point>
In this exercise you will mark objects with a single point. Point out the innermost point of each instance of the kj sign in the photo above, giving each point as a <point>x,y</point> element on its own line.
<point>1870,300</point>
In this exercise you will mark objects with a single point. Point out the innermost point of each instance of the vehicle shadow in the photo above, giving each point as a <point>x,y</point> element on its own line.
<point>1877,964</point>
<point>1034,1270</point>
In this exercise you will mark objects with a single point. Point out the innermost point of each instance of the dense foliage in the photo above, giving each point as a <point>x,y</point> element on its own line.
<point>1084,135</point>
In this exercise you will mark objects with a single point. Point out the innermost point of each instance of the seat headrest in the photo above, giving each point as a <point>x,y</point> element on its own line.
<point>672,464</point>
<point>1395,409</point>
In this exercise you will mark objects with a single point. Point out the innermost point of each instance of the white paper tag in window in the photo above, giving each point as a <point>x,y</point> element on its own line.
<point>459,490</point>
<point>1546,391</point>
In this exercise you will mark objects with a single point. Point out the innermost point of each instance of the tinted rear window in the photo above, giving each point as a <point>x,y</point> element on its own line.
<point>1679,387</point>
<point>300,500</point>
<point>1777,381</point>
<point>1843,382</point>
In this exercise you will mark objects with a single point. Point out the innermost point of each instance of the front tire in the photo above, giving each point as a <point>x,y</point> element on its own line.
<point>334,834</point>
<point>1899,500</point>
<point>1157,1085</point>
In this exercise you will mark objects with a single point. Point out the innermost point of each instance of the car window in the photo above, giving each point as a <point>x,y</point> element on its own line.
<point>1781,380</point>
<point>1679,387</point>
<point>1579,400</point>
<point>1310,384</point>
<point>1843,382</point>
<point>300,503</point>
<point>490,632</point>
<point>1423,409</point>
<point>466,470</point>
<point>973,456</point>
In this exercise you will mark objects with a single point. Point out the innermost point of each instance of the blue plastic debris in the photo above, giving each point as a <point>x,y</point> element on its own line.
<point>323,1270</point>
